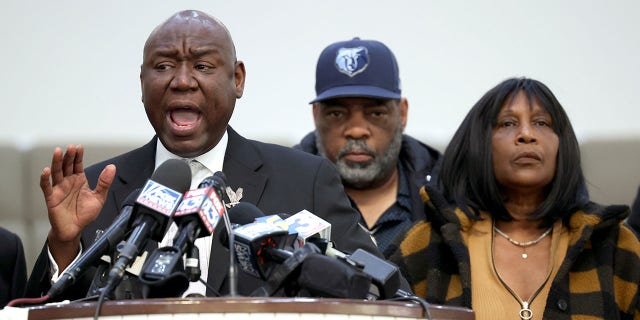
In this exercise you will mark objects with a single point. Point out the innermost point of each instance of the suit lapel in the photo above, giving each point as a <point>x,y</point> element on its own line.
<point>241,164</point>
<point>133,171</point>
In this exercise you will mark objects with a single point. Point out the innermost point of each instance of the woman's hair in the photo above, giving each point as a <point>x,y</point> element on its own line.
<point>466,173</point>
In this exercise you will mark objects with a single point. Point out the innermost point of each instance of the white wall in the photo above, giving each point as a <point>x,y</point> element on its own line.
<point>70,67</point>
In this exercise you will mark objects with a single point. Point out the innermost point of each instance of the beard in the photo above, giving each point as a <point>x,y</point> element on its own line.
<point>364,175</point>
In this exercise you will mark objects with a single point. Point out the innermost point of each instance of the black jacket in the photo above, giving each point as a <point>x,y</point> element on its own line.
<point>13,268</point>
<point>274,178</point>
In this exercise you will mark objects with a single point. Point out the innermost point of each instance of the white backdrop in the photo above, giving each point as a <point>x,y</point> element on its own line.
<point>70,67</point>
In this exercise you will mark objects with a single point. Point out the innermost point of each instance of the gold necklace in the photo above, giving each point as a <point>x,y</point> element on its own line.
<point>525,311</point>
<point>523,245</point>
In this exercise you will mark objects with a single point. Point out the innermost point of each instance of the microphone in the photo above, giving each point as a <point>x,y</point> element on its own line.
<point>196,217</point>
<point>218,181</point>
<point>313,229</point>
<point>106,243</point>
<point>219,184</point>
<point>201,208</point>
<point>307,225</point>
<point>154,206</point>
<point>258,245</point>
<point>239,215</point>
<point>244,213</point>
<point>384,275</point>
<point>259,242</point>
<point>260,252</point>
<point>309,228</point>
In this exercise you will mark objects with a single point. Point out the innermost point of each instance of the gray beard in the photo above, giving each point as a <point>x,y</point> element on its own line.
<point>372,173</point>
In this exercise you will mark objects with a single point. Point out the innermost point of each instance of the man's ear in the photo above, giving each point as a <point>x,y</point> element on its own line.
<point>404,110</point>
<point>239,75</point>
<point>315,110</point>
<point>141,86</point>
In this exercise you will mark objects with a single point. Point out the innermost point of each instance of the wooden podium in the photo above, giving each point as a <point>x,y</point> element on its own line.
<point>248,308</point>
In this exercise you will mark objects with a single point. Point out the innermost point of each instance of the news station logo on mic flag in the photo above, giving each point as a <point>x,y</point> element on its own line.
<point>275,220</point>
<point>157,197</point>
<point>206,203</point>
<point>306,224</point>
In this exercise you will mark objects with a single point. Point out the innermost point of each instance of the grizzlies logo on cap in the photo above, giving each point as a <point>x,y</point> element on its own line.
<point>352,61</point>
<point>373,63</point>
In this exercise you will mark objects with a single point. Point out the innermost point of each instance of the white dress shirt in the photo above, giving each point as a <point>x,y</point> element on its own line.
<point>212,162</point>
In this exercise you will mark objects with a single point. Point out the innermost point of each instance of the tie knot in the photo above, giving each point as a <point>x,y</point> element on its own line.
<point>198,172</point>
<point>195,165</point>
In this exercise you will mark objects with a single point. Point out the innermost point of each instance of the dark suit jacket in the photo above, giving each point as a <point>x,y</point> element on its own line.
<point>13,268</point>
<point>274,178</point>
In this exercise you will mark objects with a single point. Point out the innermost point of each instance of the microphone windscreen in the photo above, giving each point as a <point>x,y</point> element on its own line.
<point>172,286</point>
<point>241,214</point>
<point>324,276</point>
<point>174,174</point>
<point>206,182</point>
<point>221,176</point>
<point>244,213</point>
<point>131,198</point>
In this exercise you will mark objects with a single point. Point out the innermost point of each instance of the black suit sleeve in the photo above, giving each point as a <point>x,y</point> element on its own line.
<point>40,280</point>
<point>332,204</point>
<point>13,269</point>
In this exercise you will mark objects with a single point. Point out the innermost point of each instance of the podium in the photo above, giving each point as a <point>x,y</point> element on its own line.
<point>247,308</point>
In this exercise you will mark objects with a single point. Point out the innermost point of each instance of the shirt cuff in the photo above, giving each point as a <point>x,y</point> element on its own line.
<point>55,270</point>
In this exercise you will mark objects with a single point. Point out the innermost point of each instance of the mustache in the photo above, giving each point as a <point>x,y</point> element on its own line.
<point>354,145</point>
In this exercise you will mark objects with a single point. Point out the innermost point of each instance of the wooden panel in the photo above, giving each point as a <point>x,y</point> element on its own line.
<point>249,308</point>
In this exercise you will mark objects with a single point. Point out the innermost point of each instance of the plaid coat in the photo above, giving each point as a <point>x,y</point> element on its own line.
<point>598,279</point>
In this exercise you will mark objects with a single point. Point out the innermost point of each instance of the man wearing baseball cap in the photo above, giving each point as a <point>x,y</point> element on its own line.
<point>360,116</point>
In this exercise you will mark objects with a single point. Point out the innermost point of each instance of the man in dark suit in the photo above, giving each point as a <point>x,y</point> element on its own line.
<point>190,80</point>
<point>13,268</point>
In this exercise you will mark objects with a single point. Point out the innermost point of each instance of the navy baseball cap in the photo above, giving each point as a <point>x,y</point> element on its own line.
<point>357,68</point>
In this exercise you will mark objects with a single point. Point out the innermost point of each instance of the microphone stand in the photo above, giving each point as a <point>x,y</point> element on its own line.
<point>233,273</point>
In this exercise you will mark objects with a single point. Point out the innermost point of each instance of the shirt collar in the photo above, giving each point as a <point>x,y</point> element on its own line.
<point>212,159</point>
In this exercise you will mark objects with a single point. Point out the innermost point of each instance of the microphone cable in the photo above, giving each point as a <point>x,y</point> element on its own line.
<point>402,295</point>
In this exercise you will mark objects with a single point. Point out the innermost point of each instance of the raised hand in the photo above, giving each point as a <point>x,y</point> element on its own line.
<point>71,204</point>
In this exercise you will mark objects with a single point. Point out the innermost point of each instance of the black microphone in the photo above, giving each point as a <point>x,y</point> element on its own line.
<point>240,214</point>
<point>219,184</point>
<point>262,250</point>
<point>384,275</point>
<point>154,207</point>
<point>259,246</point>
<point>105,244</point>
<point>218,181</point>
<point>312,229</point>
<point>196,217</point>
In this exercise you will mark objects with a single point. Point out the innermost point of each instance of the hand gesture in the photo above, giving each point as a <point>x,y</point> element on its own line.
<point>71,204</point>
